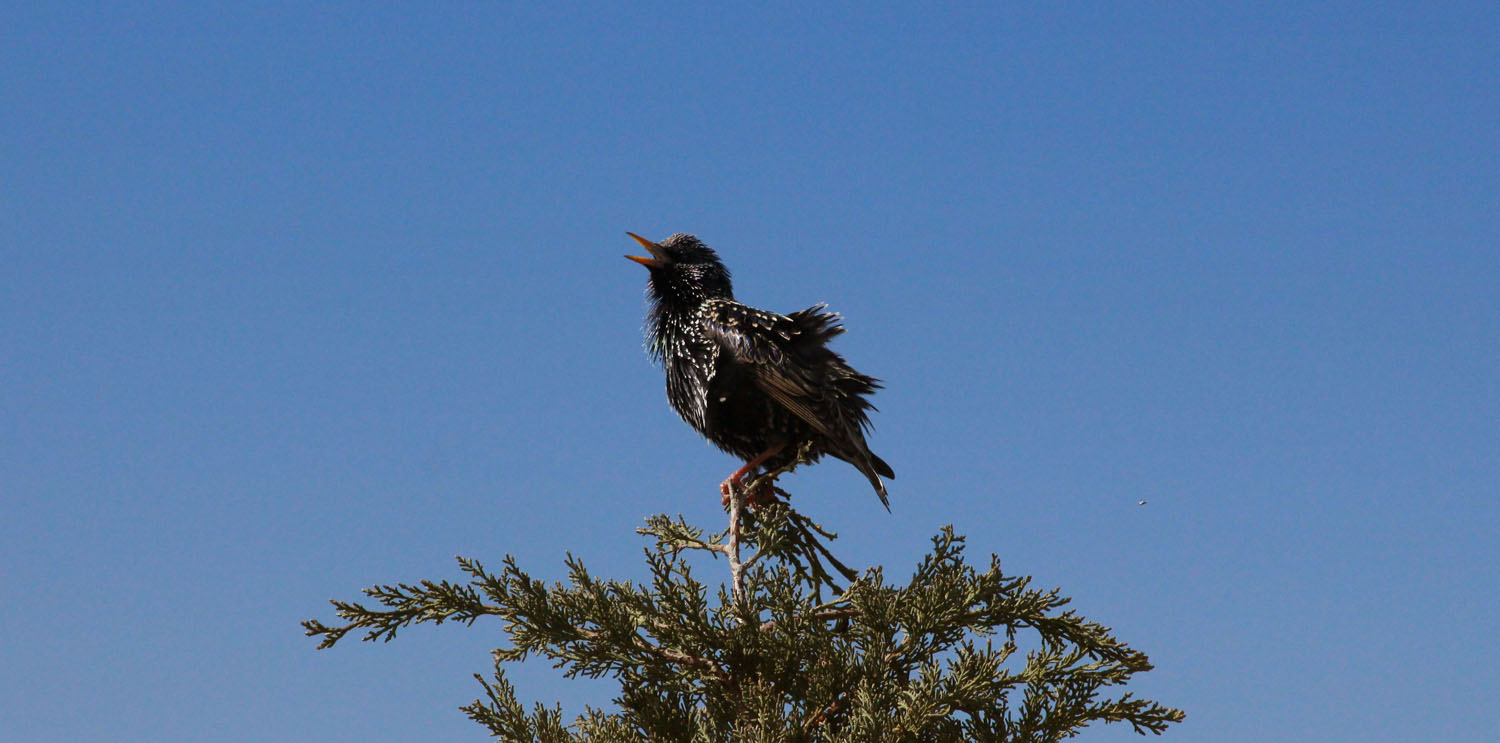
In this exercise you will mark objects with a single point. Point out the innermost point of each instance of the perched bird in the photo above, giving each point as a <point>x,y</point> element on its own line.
<point>757,384</point>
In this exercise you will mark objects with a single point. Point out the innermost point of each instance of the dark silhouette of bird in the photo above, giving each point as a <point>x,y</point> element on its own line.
<point>757,384</point>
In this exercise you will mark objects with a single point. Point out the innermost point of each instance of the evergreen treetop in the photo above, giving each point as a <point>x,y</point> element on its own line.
<point>797,647</point>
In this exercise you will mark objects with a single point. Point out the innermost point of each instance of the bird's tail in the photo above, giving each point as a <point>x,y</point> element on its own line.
<point>873,468</point>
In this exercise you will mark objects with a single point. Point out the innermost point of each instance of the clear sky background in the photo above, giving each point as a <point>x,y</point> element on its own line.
<point>296,298</point>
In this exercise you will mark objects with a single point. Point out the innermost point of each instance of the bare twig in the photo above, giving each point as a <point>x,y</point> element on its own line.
<point>847,612</point>
<point>833,708</point>
<point>810,553</point>
<point>671,656</point>
<point>732,545</point>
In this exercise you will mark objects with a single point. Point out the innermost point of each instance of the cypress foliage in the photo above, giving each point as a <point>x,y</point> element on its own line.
<point>795,648</point>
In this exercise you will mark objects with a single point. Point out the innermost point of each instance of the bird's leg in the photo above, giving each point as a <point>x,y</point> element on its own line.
<point>738,478</point>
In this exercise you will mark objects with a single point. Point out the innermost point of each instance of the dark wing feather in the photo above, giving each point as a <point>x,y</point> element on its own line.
<point>774,350</point>
<point>788,357</point>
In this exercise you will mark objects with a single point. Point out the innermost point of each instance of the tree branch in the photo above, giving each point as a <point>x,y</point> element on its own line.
<point>847,612</point>
<point>671,656</point>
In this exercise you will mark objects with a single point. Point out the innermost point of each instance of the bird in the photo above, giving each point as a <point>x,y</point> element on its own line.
<point>757,384</point>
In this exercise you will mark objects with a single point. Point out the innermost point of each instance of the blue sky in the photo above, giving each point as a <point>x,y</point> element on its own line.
<point>297,298</point>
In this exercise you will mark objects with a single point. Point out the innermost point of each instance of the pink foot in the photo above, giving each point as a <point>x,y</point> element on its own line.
<point>737,480</point>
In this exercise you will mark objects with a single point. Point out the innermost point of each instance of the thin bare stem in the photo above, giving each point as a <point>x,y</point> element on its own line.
<point>732,545</point>
<point>667,654</point>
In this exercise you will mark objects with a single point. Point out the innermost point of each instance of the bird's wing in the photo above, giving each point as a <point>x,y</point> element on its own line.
<point>785,355</point>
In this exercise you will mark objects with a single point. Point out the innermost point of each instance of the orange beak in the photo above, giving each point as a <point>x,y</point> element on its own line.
<point>655,250</point>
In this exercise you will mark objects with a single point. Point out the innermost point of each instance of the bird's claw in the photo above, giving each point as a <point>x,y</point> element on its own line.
<point>759,496</point>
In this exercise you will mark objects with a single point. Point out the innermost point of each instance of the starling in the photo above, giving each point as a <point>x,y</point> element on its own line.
<point>757,384</point>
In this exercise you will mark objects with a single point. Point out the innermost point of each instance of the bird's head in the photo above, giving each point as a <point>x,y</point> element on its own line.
<point>684,271</point>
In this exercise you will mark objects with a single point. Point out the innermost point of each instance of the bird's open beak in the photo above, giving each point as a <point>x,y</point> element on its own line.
<point>659,256</point>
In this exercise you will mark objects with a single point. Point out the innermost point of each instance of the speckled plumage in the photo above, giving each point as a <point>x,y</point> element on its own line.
<point>749,380</point>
